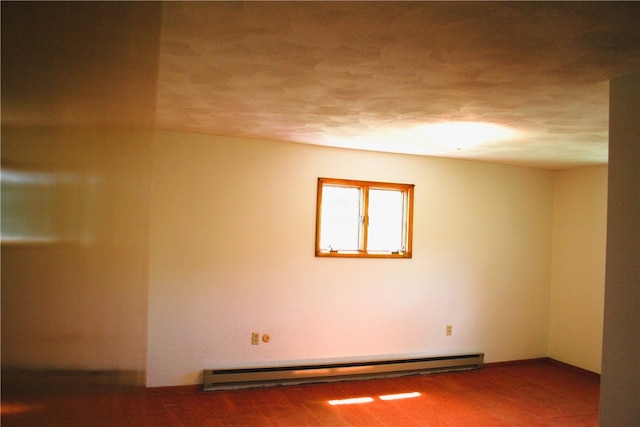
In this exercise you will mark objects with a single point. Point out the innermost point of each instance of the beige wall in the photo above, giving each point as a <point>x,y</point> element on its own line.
<point>232,238</point>
<point>578,262</point>
<point>75,214</point>
<point>224,246</point>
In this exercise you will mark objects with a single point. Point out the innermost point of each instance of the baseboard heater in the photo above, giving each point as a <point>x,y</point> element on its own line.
<point>224,379</point>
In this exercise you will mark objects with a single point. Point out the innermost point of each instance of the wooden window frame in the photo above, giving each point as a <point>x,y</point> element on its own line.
<point>365,186</point>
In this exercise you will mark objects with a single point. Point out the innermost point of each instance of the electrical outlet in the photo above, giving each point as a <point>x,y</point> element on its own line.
<point>449,330</point>
<point>255,338</point>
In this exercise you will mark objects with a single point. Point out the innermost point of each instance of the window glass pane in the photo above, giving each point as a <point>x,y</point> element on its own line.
<point>342,205</point>
<point>340,218</point>
<point>386,217</point>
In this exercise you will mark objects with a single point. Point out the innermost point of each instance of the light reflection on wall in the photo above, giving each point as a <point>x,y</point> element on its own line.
<point>42,207</point>
<point>75,210</point>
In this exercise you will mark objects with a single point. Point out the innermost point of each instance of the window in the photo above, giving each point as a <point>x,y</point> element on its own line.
<point>363,219</point>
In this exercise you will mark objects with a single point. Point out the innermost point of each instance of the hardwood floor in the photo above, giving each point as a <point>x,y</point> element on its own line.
<point>536,393</point>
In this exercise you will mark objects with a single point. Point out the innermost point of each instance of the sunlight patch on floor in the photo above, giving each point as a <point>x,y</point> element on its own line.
<point>399,396</point>
<point>385,397</point>
<point>351,401</point>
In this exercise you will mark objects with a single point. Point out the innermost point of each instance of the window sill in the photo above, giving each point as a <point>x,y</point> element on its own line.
<point>358,254</point>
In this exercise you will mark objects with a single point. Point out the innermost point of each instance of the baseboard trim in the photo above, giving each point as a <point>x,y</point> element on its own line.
<point>515,362</point>
<point>175,389</point>
<point>573,368</point>
<point>72,378</point>
<point>543,360</point>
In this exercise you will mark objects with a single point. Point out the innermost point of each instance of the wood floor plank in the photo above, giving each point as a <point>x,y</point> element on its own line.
<point>530,394</point>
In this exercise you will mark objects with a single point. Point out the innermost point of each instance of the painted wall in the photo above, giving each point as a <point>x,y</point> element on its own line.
<point>75,214</point>
<point>224,246</point>
<point>231,251</point>
<point>578,266</point>
<point>620,385</point>
<point>76,77</point>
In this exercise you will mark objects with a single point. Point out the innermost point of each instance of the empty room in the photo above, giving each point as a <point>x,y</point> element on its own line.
<point>320,213</point>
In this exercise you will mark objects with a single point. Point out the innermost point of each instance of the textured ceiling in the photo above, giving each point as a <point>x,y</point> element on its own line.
<point>366,74</point>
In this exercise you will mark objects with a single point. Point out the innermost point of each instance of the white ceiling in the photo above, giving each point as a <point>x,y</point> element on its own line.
<point>366,75</point>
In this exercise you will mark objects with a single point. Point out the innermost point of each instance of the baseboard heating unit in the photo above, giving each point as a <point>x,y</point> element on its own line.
<point>223,379</point>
